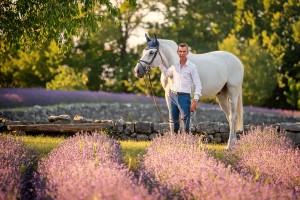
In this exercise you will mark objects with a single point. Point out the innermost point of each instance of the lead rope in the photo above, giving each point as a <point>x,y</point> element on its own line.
<point>151,92</point>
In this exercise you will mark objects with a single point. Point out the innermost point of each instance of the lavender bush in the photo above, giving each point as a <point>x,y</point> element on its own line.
<point>181,168</point>
<point>88,167</point>
<point>20,97</point>
<point>16,169</point>
<point>268,156</point>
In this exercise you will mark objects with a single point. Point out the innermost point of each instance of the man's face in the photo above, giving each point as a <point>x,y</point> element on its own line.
<point>182,52</point>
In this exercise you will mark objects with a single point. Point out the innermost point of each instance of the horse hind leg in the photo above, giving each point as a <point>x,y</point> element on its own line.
<point>223,100</point>
<point>233,101</point>
<point>228,103</point>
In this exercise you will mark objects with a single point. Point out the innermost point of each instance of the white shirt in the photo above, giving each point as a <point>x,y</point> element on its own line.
<point>184,78</point>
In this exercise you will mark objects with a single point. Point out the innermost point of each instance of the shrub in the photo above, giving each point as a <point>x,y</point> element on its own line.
<point>16,169</point>
<point>268,156</point>
<point>181,168</point>
<point>88,167</point>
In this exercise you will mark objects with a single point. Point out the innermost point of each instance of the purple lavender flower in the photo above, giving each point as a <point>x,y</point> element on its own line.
<point>268,156</point>
<point>181,168</point>
<point>89,167</point>
<point>16,168</point>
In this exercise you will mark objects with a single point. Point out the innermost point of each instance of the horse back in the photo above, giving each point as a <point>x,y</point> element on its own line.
<point>217,69</point>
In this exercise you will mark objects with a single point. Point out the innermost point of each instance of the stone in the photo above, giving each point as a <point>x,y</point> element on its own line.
<point>297,139</point>
<point>153,135</point>
<point>144,127</point>
<point>215,127</point>
<point>225,136</point>
<point>142,137</point>
<point>133,135</point>
<point>59,118</point>
<point>164,128</point>
<point>290,135</point>
<point>129,128</point>
<point>224,128</point>
<point>218,140</point>
<point>293,127</point>
<point>218,135</point>
<point>61,121</point>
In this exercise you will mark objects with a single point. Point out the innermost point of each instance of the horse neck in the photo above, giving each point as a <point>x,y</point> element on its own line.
<point>169,55</point>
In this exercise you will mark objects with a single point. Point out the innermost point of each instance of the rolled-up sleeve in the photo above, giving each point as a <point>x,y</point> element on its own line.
<point>197,83</point>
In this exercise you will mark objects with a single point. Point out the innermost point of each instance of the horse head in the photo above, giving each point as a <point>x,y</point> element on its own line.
<point>148,58</point>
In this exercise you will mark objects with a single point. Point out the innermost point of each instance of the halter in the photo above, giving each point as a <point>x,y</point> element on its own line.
<point>147,68</point>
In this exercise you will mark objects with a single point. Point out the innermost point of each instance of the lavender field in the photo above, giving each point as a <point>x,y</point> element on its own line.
<point>28,97</point>
<point>261,165</point>
<point>20,97</point>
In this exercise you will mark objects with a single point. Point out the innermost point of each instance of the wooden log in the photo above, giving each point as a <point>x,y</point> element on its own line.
<point>58,128</point>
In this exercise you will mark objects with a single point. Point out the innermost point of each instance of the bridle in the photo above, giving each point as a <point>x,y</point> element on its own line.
<point>147,70</point>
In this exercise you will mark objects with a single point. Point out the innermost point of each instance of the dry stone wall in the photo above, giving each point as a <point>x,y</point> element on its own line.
<point>137,112</point>
<point>143,122</point>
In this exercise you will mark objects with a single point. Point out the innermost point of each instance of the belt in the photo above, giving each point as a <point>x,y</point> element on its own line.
<point>180,93</point>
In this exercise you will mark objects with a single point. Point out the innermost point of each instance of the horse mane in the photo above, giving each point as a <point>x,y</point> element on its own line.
<point>170,43</point>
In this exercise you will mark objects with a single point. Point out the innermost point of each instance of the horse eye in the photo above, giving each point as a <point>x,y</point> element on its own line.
<point>151,52</point>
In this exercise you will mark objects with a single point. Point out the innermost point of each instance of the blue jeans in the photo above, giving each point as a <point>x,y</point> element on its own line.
<point>180,109</point>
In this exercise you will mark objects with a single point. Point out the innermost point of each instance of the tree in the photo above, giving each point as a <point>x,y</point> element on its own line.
<point>67,79</point>
<point>201,24</point>
<point>276,23</point>
<point>26,23</point>
<point>30,68</point>
<point>105,54</point>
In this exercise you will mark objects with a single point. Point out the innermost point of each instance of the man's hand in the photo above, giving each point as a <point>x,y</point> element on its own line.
<point>194,106</point>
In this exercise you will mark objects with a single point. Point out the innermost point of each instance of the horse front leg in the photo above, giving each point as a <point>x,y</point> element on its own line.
<point>168,100</point>
<point>232,122</point>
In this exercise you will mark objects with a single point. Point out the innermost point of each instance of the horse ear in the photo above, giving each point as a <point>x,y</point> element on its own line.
<point>155,40</point>
<point>147,38</point>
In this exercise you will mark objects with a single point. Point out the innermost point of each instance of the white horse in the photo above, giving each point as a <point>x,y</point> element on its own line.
<point>221,74</point>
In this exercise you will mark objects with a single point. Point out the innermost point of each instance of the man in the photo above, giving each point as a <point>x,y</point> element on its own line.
<point>185,76</point>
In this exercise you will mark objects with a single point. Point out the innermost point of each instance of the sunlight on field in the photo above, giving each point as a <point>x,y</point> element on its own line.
<point>133,152</point>
<point>43,144</point>
<point>216,150</point>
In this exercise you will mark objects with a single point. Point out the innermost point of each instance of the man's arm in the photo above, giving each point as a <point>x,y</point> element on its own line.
<point>198,88</point>
<point>165,71</point>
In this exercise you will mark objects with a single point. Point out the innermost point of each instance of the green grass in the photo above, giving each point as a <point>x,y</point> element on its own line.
<point>41,143</point>
<point>133,151</point>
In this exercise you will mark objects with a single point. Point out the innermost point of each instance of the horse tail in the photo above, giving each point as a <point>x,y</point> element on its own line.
<point>240,112</point>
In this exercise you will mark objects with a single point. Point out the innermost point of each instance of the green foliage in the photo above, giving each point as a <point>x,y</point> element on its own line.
<point>201,24</point>
<point>39,38</point>
<point>293,96</point>
<point>68,79</point>
<point>276,23</point>
<point>31,68</point>
<point>26,23</point>
<point>259,71</point>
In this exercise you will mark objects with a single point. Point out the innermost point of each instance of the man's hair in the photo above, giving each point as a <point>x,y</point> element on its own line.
<point>183,45</point>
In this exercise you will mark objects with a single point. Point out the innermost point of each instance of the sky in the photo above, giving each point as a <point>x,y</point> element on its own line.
<point>138,36</point>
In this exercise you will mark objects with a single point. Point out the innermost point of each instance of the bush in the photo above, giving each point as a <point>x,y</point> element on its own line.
<point>181,168</point>
<point>268,156</point>
<point>16,169</point>
<point>88,167</point>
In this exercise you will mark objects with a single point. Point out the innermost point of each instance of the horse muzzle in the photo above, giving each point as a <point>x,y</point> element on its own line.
<point>139,71</point>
